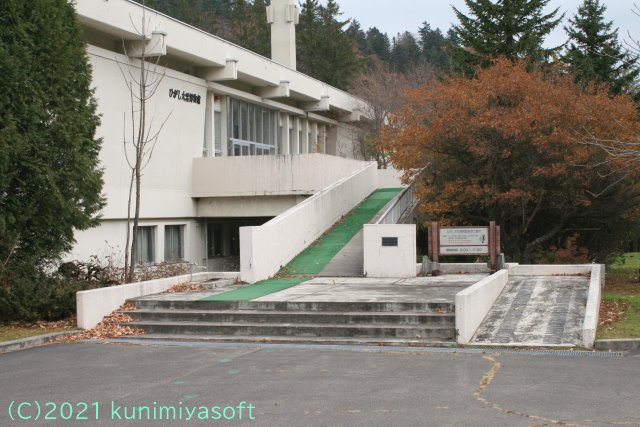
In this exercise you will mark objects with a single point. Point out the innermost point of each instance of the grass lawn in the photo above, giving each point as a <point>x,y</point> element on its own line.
<point>622,284</point>
<point>628,260</point>
<point>9,332</point>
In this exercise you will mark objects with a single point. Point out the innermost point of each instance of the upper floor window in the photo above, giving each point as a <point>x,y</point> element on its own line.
<point>253,129</point>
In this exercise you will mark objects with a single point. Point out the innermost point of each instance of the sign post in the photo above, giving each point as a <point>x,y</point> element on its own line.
<point>449,241</point>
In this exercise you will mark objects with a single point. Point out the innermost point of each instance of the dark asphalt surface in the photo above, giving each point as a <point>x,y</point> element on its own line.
<point>316,387</point>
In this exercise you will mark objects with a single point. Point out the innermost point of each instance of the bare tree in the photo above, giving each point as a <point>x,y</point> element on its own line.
<point>383,91</point>
<point>142,84</point>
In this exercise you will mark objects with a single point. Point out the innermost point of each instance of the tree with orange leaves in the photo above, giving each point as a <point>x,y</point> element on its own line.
<point>507,146</point>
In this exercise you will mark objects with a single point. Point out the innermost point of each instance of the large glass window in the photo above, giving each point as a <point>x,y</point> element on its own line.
<point>252,129</point>
<point>174,243</point>
<point>145,245</point>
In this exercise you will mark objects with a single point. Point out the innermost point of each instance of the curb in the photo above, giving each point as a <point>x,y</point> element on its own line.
<point>618,344</point>
<point>23,343</point>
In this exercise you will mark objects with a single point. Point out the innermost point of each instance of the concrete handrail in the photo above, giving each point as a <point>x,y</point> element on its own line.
<point>592,312</point>
<point>398,207</point>
<point>473,304</point>
<point>94,304</point>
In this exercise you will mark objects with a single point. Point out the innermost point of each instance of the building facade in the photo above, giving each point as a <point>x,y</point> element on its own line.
<point>240,138</point>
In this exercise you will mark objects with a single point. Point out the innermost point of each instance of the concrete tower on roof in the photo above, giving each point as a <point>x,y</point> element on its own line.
<point>283,15</point>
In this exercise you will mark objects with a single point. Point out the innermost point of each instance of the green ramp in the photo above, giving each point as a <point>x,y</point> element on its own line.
<point>314,258</point>
<point>257,290</point>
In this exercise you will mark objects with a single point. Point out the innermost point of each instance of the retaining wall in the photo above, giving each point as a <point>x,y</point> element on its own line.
<point>94,304</point>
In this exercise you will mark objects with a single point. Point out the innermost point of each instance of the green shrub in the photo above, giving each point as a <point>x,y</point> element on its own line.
<point>35,295</point>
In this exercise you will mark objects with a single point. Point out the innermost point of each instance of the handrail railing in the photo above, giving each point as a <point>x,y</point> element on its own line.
<point>395,212</point>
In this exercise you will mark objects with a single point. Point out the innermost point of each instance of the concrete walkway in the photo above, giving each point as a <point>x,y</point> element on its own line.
<point>345,289</point>
<point>349,262</point>
<point>419,289</point>
<point>537,311</point>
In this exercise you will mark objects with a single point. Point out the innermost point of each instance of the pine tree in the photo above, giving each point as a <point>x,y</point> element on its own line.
<point>378,44</point>
<point>594,53</point>
<point>50,180</point>
<point>405,53</point>
<point>434,47</point>
<point>514,29</point>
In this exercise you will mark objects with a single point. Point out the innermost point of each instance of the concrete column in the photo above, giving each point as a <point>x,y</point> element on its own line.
<point>286,144</point>
<point>208,148</point>
<point>314,144</point>
<point>283,15</point>
<point>306,142</point>
<point>224,122</point>
<point>295,142</point>
<point>331,140</point>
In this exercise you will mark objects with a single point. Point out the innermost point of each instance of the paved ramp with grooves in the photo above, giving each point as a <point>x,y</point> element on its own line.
<point>537,310</point>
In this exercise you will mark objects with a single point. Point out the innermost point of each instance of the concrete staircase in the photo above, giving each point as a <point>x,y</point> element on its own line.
<point>385,323</point>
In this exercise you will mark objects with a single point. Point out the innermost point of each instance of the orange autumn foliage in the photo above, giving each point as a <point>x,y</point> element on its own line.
<point>508,146</point>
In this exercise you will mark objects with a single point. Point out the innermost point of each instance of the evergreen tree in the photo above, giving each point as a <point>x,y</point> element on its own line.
<point>405,53</point>
<point>326,47</point>
<point>248,26</point>
<point>378,44</point>
<point>434,47</point>
<point>594,53</point>
<point>50,181</point>
<point>514,29</point>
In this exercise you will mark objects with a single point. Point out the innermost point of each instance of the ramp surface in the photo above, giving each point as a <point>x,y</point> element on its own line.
<point>537,310</point>
<point>314,258</point>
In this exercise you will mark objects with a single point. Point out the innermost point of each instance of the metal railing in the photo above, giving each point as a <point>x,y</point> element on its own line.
<point>241,147</point>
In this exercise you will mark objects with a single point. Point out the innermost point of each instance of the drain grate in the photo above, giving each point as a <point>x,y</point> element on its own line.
<point>530,352</point>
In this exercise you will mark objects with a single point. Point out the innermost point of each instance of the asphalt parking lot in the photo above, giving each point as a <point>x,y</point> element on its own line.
<point>159,385</point>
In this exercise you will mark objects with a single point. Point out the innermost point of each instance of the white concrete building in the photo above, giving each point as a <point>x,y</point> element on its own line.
<point>245,137</point>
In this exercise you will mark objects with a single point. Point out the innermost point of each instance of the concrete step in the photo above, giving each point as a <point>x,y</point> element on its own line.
<point>293,317</point>
<point>438,332</point>
<point>292,340</point>
<point>350,307</point>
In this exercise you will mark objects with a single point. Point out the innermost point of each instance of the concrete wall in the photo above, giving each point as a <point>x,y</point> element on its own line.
<point>596,283</point>
<point>264,249</point>
<point>548,270</point>
<point>166,184</point>
<point>389,261</point>
<point>93,305</point>
<point>268,175</point>
<point>242,207</point>
<point>473,304</point>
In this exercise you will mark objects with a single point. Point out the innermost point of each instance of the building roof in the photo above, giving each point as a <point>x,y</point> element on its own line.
<point>227,68</point>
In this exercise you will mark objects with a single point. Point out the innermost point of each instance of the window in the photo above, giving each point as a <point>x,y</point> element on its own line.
<point>251,129</point>
<point>174,243</point>
<point>145,245</point>
<point>214,240</point>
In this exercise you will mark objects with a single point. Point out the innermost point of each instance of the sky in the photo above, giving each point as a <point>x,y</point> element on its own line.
<point>393,16</point>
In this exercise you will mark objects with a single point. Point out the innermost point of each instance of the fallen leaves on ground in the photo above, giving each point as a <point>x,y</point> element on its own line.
<point>611,312</point>
<point>112,326</point>
<point>41,324</point>
<point>185,287</point>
